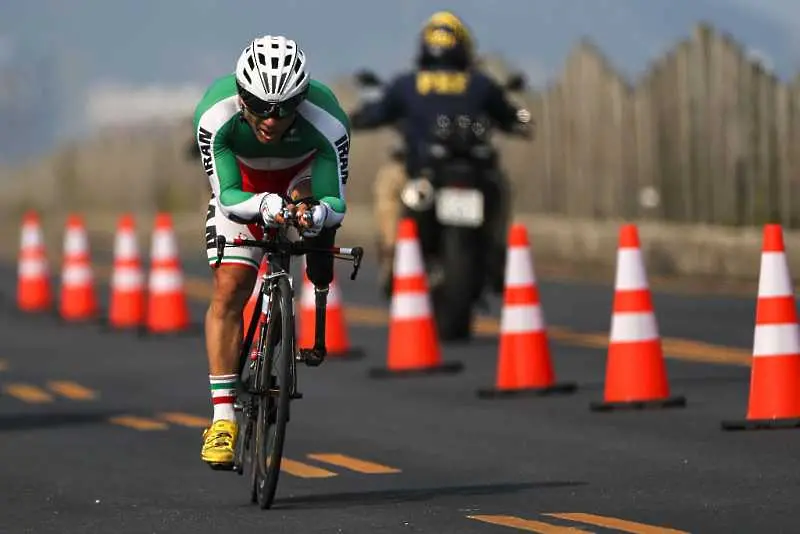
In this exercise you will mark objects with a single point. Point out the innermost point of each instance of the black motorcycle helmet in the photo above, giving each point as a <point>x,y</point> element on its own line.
<point>445,41</point>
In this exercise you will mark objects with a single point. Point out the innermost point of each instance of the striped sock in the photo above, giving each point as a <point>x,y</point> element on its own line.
<point>223,391</point>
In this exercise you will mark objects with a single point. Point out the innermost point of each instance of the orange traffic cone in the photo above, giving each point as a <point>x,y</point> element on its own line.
<point>127,300</point>
<point>34,292</point>
<point>524,364</point>
<point>337,340</point>
<point>167,310</point>
<point>413,342</point>
<point>78,299</point>
<point>775,374</point>
<point>636,375</point>
<point>250,307</point>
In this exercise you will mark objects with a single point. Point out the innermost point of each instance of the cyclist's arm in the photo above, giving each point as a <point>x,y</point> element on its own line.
<point>329,171</point>
<point>212,131</point>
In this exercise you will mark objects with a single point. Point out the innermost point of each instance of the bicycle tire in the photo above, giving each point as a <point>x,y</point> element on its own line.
<point>254,338</point>
<point>280,361</point>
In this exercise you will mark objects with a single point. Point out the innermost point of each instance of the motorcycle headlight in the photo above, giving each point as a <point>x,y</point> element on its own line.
<point>418,194</point>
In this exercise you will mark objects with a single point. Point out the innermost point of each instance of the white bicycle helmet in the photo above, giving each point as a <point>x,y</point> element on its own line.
<point>271,76</point>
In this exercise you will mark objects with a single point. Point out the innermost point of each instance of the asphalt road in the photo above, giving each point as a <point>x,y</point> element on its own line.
<point>100,432</point>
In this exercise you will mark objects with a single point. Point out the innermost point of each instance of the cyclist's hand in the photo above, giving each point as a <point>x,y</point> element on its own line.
<point>271,207</point>
<point>318,215</point>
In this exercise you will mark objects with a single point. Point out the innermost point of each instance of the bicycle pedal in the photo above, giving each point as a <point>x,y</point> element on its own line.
<point>221,467</point>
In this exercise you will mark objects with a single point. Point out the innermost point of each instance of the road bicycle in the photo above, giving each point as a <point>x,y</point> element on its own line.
<point>267,365</point>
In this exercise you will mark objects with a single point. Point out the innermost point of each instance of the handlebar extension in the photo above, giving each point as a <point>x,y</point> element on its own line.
<point>296,248</point>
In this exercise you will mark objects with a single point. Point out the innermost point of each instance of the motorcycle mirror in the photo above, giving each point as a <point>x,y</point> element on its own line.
<point>516,82</point>
<point>367,78</point>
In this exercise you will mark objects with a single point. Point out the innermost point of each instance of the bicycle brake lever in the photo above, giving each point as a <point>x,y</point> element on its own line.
<point>358,254</point>
<point>220,249</point>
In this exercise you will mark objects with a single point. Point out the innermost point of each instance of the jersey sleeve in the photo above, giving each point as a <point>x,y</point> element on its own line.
<point>213,126</point>
<point>330,169</point>
<point>499,107</point>
<point>385,110</point>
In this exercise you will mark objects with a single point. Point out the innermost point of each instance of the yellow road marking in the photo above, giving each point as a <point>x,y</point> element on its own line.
<point>71,390</point>
<point>138,423</point>
<point>362,466</point>
<point>28,393</point>
<point>186,419</point>
<point>618,524</point>
<point>526,524</point>
<point>299,469</point>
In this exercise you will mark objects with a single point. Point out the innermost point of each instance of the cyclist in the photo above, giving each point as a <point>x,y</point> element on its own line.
<point>268,135</point>
<point>446,81</point>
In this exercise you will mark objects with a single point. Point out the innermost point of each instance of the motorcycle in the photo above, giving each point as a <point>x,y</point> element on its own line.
<point>451,202</point>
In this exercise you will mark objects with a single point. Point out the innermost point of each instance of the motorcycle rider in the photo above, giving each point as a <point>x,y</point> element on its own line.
<point>445,81</point>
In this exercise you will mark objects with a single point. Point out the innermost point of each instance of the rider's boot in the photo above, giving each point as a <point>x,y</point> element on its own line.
<point>219,441</point>
<point>315,356</point>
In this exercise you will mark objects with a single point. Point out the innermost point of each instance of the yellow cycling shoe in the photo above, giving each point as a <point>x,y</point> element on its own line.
<point>219,441</point>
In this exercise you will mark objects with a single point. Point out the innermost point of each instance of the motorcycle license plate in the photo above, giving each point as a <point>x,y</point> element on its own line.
<point>459,207</point>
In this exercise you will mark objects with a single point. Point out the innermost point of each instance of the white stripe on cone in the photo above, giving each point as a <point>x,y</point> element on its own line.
<point>774,279</point>
<point>521,319</point>
<point>632,326</point>
<point>408,259</point>
<point>32,268</point>
<point>519,268</point>
<point>411,305</point>
<point>31,236</point>
<point>127,278</point>
<point>776,340</point>
<point>125,247</point>
<point>75,242</point>
<point>77,275</point>
<point>164,247</point>
<point>630,274</point>
<point>165,280</point>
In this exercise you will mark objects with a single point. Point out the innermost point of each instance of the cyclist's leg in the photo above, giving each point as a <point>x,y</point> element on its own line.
<point>233,282</point>
<point>319,269</point>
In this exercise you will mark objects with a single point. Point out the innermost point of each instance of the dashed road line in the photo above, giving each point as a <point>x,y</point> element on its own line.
<point>185,419</point>
<point>139,423</point>
<point>528,525</point>
<point>71,390</point>
<point>301,470</point>
<point>606,522</point>
<point>28,393</point>
<point>622,525</point>
<point>354,464</point>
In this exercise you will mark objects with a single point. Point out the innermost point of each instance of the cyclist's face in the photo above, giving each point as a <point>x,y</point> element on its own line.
<point>267,129</point>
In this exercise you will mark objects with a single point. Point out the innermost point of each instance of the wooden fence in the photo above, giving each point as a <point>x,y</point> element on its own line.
<point>705,136</point>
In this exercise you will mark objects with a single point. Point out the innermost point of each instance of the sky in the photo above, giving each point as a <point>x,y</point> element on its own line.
<point>120,61</point>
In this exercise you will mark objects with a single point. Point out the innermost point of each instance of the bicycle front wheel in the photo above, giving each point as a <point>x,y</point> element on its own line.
<point>275,391</point>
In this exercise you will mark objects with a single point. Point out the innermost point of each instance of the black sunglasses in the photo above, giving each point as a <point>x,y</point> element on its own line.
<point>266,110</point>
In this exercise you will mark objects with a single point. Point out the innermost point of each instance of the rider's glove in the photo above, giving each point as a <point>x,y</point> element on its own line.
<point>318,214</point>
<point>271,205</point>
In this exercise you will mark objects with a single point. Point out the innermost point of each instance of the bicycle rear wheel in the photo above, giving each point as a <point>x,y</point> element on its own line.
<point>275,391</point>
